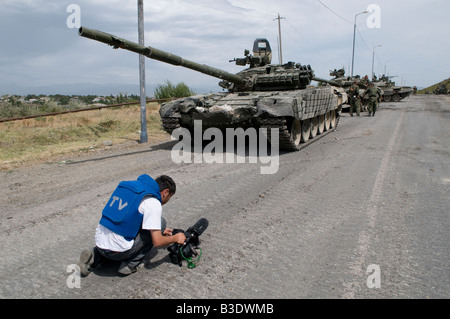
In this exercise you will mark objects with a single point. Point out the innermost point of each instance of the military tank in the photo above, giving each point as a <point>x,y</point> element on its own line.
<point>340,77</point>
<point>346,82</point>
<point>392,92</point>
<point>264,95</point>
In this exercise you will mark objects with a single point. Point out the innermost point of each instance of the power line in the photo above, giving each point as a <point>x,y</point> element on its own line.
<point>336,14</point>
<point>364,42</point>
<point>304,40</point>
<point>341,17</point>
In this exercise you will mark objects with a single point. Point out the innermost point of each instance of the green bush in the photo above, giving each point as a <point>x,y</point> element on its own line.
<point>19,109</point>
<point>168,90</point>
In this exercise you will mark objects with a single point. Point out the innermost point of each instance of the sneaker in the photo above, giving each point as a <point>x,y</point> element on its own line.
<point>86,261</point>
<point>125,270</point>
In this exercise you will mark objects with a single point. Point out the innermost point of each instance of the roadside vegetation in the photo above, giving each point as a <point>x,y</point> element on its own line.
<point>45,139</point>
<point>436,88</point>
<point>48,138</point>
<point>12,106</point>
<point>169,90</point>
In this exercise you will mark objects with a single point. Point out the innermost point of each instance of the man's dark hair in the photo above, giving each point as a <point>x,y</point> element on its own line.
<point>165,182</point>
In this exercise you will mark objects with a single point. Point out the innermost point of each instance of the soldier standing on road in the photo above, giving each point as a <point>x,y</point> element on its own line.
<point>132,224</point>
<point>374,94</point>
<point>355,103</point>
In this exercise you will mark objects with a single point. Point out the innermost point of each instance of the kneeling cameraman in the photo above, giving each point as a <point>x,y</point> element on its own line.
<point>132,224</point>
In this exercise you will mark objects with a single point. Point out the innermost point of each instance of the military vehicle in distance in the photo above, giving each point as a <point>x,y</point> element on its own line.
<point>441,89</point>
<point>264,95</point>
<point>391,92</point>
<point>346,82</point>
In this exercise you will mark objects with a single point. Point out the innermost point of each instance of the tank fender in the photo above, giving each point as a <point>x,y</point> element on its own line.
<point>170,109</point>
<point>177,107</point>
<point>277,106</point>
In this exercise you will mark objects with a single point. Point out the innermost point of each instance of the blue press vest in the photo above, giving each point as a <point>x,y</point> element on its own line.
<point>121,214</point>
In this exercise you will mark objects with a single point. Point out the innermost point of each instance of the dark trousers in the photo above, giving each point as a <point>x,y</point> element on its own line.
<point>134,256</point>
<point>355,106</point>
<point>373,103</point>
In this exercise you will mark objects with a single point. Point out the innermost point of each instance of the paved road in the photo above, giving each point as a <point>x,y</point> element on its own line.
<point>364,207</point>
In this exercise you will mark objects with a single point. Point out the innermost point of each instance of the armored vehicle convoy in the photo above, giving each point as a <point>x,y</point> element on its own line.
<point>264,95</point>
<point>391,92</point>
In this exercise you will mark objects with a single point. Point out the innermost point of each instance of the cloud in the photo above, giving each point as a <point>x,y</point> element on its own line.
<point>40,51</point>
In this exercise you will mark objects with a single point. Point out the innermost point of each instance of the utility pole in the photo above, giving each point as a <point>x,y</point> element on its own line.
<point>354,39</point>
<point>373,59</point>
<point>385,66</point>
<point>143,98</point>
<point>280,53</point>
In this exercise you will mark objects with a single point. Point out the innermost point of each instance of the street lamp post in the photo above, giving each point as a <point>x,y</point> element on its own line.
<point>354,38</point>
<point>373,58</point>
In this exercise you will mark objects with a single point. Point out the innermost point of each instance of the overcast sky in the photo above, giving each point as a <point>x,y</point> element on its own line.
<point>41,54</point>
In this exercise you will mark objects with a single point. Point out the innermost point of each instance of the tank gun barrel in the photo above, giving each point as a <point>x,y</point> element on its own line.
<point>331,82</point>
<point>157,54</point>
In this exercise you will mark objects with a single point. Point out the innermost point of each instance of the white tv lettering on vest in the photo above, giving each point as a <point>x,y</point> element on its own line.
<point>121,206</point>
<point>121,214</point>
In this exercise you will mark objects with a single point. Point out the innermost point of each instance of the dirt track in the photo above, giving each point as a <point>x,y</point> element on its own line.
<point>375,192</point>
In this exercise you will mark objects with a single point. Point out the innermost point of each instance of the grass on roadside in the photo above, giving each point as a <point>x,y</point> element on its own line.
<point>41,139</point>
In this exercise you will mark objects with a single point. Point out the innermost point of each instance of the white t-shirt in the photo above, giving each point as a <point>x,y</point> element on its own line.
<point>150,207</point>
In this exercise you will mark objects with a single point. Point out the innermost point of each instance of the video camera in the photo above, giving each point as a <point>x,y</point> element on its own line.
<point>188,250</point>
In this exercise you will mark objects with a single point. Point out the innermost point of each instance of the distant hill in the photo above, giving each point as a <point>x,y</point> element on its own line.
<point>434,87</point>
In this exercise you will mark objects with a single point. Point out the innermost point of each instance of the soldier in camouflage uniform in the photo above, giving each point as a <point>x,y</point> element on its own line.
<point>374,95</point>
<point>365,81</point>
<point>354,98</point>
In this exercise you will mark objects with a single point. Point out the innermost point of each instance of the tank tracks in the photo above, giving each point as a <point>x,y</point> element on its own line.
<point>170,123</point>
<point>286,142</point>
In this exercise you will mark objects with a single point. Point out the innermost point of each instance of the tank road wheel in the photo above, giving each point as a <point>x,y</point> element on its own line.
<point>295,132</point>
<point>387,98</point>
<point>314,126</point>
<point>306,130</point>
<point>321,126</point>
<point>332,119</point>
<point>327,121</point>
<point>396,97</point>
